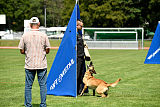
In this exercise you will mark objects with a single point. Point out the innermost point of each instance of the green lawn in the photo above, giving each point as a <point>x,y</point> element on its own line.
<point>54,43</point>
<point>139,86</point>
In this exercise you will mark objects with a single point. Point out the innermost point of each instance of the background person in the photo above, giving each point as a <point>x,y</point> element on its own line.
<point>35,45</point>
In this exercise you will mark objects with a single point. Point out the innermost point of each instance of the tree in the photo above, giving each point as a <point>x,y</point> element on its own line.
<point>94,13</point>
<point>153,15</point>
<point>67,11</point>
<point>111,13</point>
<point>18,10</point>
<point>54,12</point>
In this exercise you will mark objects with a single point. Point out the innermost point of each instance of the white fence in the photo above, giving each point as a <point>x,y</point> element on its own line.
<point>93,43</point>
<point>112,44</point>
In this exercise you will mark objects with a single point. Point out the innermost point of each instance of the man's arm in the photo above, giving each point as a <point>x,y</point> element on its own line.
<point>22,51</point>
<point>21,45</point>
<point>47,45</point>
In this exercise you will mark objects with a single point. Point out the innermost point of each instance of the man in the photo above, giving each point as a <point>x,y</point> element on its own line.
<point>80,58</point>
<point>35,45</point>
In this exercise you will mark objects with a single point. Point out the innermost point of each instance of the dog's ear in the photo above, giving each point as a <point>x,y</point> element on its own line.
<point>91,63</point>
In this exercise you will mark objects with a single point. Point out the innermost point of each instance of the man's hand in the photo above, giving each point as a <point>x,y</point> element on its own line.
<point>22,51</point>
<point>47,51</point>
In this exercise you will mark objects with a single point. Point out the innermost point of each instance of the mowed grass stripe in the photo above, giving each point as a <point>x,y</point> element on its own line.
<point>139,86</point>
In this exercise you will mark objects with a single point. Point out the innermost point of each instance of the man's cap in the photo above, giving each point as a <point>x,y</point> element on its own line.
<point>34,20</point>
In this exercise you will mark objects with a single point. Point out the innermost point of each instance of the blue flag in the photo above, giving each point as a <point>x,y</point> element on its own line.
<point>61,79</point>
<point>153,56</point>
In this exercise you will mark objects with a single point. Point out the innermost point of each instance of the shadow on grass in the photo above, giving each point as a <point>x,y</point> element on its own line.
<point>36,105</point>
<point>86,94</point>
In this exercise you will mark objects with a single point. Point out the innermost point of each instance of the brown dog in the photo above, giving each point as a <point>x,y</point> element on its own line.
<point>100,86</point>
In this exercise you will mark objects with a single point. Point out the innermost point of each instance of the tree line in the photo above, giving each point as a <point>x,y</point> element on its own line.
<point>94,13</point>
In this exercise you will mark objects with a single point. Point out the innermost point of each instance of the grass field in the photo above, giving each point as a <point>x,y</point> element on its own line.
<point>139,86</point>
<point>54,43</point>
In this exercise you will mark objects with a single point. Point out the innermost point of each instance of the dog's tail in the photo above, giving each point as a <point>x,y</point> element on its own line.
<point>113,84</point>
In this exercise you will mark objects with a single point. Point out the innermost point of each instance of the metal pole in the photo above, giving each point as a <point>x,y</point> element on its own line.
<point>45,18</point>
<point>76,49</point>
<point>77,1</point>
<point>45,14</point>
<point>142,38</point>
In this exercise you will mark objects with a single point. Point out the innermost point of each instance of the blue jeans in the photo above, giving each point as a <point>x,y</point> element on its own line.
<point>29,79</point>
